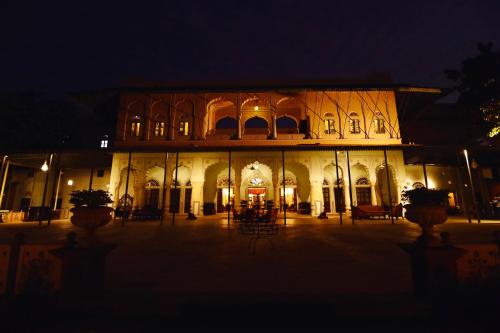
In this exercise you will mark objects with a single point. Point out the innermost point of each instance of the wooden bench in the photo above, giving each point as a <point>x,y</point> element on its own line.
<point>369,211</point>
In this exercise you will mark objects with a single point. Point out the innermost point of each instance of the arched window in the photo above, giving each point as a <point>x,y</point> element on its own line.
<point>135,126</point>
<point>152,194</point>
<point>363,191</point>
<point>329,124</point>
<point>159,129</point>
<point>183,123</point>
<point>159,119</point>
<point>418,185</point>
<point>363,181</point>
<point>379,125</point>
<point>354,127</point>
<point>286,125</point>
<point>226,123</point>
<point>256,125</point>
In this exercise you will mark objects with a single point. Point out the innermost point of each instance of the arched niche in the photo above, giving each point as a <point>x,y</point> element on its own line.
<point>183,176</point>
<point>184,120</point>
<point>383,183</point>
<point>256,125</point>
<point>226,125</point>
<point>135,120</point>
<point>159,120</point>
<point>289,107</point>
<point>217,110</point>
<point>287,124</point>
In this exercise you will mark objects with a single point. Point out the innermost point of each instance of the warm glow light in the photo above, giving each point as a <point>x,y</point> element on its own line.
<point>70,182</point>
<point>45,167</point>
<point>256,108</point>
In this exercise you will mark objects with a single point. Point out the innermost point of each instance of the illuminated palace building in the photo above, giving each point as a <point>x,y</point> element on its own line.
<point>315,149</point>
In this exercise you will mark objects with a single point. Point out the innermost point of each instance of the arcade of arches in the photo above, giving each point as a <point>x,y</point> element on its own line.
<point>256,179</point>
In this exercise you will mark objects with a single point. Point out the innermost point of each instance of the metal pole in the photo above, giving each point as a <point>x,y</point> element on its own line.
<point>4,180</point>
<point>388,186</point>
<point>424,168</point>
<point>425,175</point>
<point>178,201</point>
<point>4,159</point>
<point>164,188</point>
<point>57,175</point>
<point>462,193</point>
<point>284,186</point>
<point>57,189</point>
<point>338,185</point>
<point>350,184</point>
<point>474,202</point>
<point>229,193</point>
<point>45,190</point>
<point>91,178</point>
<point>125,212</point>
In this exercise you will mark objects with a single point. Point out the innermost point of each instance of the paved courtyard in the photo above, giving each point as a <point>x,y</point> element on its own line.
<point>308,256</point>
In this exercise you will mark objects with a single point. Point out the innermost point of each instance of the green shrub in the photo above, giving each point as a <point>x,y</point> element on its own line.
<point>90,198</point>
<point>425,196</point>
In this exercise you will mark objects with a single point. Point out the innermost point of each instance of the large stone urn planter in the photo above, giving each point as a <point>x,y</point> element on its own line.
<point>91,218</point>
<point>426,216</point>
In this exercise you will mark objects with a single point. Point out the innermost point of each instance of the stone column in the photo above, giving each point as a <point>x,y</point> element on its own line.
<point>275,130</point>
<point>197,183</point>
<point>139,194</point>
<point>197,196</point>
<point>316,196</point>
<point>237,183</point>
<point>238,117</point>
<point>316,179</point>
<point>276,183</point>
<point>374,193</point>
<point>114,179</point>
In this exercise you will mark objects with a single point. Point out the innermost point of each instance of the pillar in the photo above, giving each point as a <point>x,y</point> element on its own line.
<point>4,180</point>
<point>275,130</point>
<point>238,117</point>
<point>237,184</point>
<point>374,193</point>
<point>316,196</point>
<point>197,183</point>
<point>316,180</point>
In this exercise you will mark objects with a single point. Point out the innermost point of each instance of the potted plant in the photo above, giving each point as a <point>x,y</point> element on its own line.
<point>90,211</point>
<point>427,207</point>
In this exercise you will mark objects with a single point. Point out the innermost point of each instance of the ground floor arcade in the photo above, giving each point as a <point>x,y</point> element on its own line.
<point>305,181</point>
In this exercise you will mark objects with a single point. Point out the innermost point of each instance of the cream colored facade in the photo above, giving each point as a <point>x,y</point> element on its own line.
<point>256,127</point>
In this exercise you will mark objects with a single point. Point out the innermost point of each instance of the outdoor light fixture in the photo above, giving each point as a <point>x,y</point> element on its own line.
<point>70,182</point>
<point>45,167</point>
<point>256,108</point>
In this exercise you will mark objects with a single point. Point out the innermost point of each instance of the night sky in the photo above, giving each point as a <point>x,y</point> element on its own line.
<point>59,46</point>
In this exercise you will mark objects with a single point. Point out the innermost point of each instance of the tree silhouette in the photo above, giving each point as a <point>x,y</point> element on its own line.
<point>478,83</point>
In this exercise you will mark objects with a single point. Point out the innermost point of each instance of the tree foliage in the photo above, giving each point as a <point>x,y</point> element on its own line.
<point>478,83</point>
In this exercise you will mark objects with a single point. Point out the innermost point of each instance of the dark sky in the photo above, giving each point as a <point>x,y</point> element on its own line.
<point>70,45</point>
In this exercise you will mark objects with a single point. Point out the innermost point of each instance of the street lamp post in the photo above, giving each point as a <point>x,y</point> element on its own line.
<point>472,186</point>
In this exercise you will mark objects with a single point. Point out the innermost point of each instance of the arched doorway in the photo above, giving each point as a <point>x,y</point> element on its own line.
<point>225,192</point>
<point>288,195</point>
<point>152,194</point>
<point>362,185</point>
<point>333,189</point>
<point>256,125</point>
<point>256,185</point>
<point>382,186</point>
<point>287,125</point>
<point>180,192</point>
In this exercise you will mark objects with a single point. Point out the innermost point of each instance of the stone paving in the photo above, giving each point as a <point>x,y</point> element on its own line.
<point>309,256</point>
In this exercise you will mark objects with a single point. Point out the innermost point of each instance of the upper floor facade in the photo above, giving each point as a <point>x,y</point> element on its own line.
<point>156,119</point>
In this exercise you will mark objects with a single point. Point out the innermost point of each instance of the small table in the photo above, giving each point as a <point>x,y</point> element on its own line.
<point>258,230</point>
